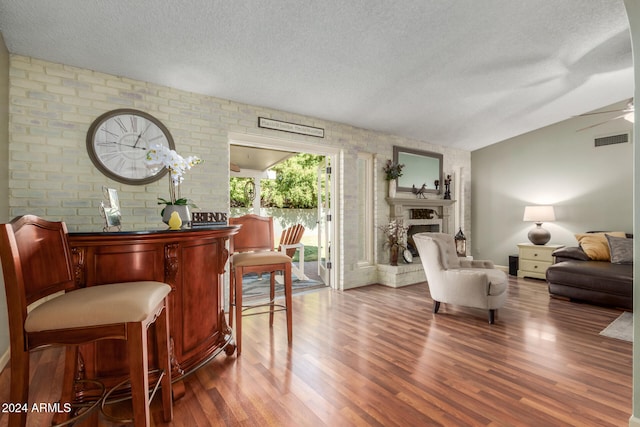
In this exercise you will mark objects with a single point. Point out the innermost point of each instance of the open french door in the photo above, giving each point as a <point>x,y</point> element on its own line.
<point>325,216</point>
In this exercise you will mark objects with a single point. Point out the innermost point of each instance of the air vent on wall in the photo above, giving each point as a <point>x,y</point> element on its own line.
<point>612,139</point>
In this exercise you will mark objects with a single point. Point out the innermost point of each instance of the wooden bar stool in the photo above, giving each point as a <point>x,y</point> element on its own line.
<point>253,253</point>
<point>36,262</point>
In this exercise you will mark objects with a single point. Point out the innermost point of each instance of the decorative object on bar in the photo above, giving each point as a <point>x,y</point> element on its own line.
<point>539,214</point>
<point>447,188</point>
<point>110,210</point>
<point>396,238</point>
<point>175,223</point>
<point>461,243</point>
<point>177,167</point>
<point>392,172</point>
<point>207,219</point>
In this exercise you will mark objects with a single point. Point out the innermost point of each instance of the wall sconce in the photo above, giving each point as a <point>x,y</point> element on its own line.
<point>461,243</point>
<point>539,214</point>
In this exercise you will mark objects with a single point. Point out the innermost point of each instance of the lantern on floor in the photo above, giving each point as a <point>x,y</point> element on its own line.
<point>461,243</point>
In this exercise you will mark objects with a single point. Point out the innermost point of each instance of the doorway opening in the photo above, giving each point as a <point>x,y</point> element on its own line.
<point>293,183</point>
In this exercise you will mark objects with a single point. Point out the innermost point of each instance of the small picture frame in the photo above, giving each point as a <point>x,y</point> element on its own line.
<point>110,209</point>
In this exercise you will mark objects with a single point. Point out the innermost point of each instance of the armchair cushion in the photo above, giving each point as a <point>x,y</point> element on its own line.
<point>447,249</point>
<point>481,263</point>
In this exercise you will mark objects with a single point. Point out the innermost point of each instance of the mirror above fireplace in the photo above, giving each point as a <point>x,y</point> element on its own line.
<point>420,168</point>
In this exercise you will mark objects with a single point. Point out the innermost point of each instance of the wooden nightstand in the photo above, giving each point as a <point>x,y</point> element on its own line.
<point>535,259</point>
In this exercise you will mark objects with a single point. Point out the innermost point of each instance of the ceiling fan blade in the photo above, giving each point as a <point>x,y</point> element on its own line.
<point>622,110</point>
<point>628,109</point>
<point>601,123</point>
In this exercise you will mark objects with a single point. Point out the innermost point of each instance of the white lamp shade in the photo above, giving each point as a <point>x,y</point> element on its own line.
<point>539,214</point>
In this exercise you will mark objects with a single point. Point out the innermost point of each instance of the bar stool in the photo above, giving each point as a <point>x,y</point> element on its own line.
<point>36,262</point>
<point>253,253</point>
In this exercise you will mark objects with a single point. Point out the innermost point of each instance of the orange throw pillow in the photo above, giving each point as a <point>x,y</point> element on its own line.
<point>595,245</point>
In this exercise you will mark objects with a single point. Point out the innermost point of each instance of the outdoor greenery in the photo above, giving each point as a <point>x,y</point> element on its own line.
<point>310,254</point>
<point>295,185</point>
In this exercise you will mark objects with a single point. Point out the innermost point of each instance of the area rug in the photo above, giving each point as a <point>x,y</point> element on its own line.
<point>254,286</point>
<point>621,328</point>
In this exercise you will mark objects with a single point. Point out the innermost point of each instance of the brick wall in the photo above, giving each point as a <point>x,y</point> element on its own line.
<point>51,175</point>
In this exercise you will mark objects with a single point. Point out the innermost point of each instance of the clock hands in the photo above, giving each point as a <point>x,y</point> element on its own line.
<point>140,136</point>
<point>120,143</point>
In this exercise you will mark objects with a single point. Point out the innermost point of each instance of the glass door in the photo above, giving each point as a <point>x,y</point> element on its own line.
<point>325,216</point>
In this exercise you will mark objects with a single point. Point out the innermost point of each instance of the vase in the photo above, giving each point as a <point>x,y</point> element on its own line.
<point>183,211</point>
<point>393,255</point>
<point>392,188</point>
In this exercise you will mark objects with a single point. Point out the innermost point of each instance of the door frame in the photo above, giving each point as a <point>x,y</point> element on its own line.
<point>259,141</point>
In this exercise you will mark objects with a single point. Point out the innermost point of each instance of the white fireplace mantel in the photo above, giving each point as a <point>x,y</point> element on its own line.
<point>415,203</point>
<point>400,209</point>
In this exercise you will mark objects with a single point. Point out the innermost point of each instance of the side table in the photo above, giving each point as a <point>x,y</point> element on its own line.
<point>535,259</point>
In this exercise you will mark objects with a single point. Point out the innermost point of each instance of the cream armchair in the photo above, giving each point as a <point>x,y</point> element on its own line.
<point>454,280</point>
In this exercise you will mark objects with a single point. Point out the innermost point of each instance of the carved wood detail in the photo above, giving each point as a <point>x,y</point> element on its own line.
<point>79,256</point>
<point>171,262</point>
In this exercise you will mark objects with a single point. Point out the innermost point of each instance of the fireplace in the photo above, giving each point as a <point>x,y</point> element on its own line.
<point>421,215</point>
<point>419,228</point>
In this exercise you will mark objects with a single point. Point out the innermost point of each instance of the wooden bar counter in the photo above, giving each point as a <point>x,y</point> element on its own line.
<point>192,261</point>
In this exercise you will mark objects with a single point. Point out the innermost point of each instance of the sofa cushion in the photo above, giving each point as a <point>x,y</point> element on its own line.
<point>567,253</point>
<point>597,276</point>
<point>621,250</point>
<point>595,245</point>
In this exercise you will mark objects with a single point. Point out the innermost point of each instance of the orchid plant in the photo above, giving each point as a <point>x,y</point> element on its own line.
<point>160,155</point>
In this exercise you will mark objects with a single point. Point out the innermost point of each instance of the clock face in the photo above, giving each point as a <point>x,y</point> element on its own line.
<point>117,143</point>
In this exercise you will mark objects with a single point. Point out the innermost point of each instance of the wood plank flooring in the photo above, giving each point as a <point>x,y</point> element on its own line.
<point>378,356</point>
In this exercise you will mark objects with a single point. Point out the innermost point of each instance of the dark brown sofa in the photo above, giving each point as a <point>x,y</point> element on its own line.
<point>575,276</point>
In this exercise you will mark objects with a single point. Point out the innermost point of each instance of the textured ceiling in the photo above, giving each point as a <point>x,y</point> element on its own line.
<point>463,73</point>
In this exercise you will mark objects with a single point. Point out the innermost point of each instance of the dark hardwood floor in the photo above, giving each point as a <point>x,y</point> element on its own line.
<point>377,356</point>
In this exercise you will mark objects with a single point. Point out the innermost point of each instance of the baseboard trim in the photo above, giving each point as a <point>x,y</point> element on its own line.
<point>502,268</point>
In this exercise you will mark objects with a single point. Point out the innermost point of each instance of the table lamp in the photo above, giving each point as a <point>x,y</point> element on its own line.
<point>539,214</point>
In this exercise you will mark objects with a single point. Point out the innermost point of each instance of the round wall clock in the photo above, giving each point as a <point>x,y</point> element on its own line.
<point>117,143</point>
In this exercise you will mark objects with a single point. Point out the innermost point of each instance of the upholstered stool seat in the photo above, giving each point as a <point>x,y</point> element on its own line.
<point>98,305</point>
<point>258,258</point>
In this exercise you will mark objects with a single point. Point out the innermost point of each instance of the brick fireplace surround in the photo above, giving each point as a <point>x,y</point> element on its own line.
<point>430,213</point>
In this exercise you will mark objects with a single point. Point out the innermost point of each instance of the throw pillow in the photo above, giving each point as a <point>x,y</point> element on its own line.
<point>595,245</point>
<point>621,250</point>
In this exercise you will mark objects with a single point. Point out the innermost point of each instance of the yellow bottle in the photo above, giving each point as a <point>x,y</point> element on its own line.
<point>175,222</point>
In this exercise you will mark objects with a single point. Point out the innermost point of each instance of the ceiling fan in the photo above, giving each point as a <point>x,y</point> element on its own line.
<point>622,113</point>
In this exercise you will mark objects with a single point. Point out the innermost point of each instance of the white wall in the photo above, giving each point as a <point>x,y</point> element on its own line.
<point>4,186</point>
<point>590,188</point>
